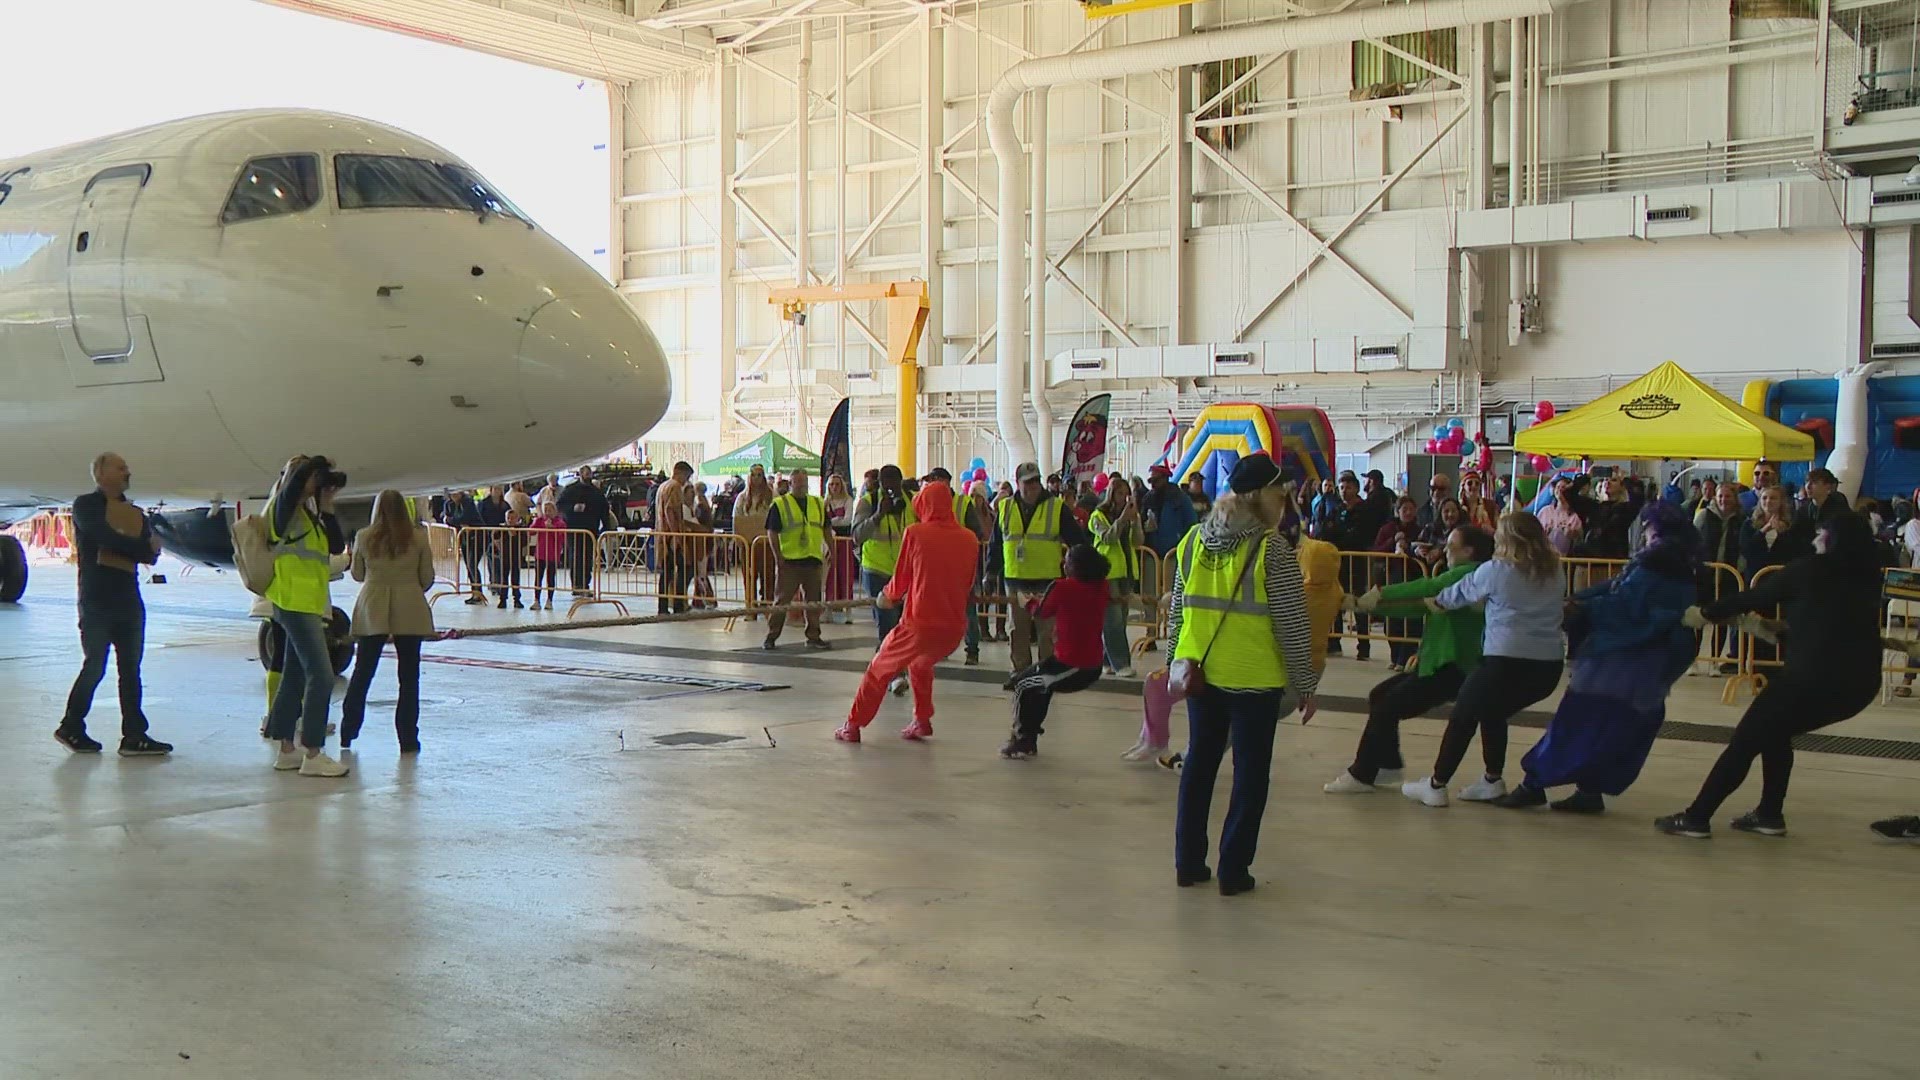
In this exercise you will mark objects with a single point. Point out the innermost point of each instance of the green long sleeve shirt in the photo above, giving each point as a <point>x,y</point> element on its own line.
<point>1451,637</point>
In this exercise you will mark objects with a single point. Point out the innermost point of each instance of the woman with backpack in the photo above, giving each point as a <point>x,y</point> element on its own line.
<point>302,536</point>
<point>392,561</point>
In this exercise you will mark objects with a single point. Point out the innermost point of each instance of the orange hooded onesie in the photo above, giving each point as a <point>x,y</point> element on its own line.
<point>931,583</point>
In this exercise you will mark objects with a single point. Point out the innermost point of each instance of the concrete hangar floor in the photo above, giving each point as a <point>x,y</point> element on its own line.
<point>594,873</point>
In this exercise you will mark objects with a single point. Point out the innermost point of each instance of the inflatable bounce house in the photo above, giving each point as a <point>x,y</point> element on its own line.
<point>1300,441</point>
<point>1892,425</point>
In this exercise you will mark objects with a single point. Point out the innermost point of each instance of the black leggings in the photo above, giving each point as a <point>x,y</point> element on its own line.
<point>548,572</point>
<point>1792,704</point>
<point>1500,687</point>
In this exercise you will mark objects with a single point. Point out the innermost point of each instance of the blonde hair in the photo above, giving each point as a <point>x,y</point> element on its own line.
<point>1521,542</point>
<point>391,534</point>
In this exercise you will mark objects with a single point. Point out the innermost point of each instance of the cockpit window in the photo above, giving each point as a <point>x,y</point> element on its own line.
<point>271,186</point>
<point>372,181</point>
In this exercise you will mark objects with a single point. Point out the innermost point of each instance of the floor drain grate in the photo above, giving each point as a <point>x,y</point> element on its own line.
<point>695,738</point>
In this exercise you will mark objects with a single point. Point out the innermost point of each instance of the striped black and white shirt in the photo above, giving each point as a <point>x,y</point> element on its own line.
<point>1286,610</point>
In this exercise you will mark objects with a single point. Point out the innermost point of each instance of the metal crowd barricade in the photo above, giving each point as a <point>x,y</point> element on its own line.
<point>1362,570</point>
<point>1720,645</point>
<point>1899,587</point>
<point>486,561</point>
<point>680,571</point>
<point>1756,653</point>
<point>443,541</point>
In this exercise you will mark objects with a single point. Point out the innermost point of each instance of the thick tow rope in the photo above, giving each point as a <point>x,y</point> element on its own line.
<point>703,615</point>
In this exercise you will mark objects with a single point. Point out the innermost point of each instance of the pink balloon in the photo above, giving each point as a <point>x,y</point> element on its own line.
<point>1541,463</point>
<point>1543,412</point>
<point>979,474</point>
<point>1433,446</point>
<point>1100,484</point>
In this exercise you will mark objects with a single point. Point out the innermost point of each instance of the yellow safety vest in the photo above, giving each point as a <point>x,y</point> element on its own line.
<point>1122,559</point>
<point>881,553</point>
<point>301,569</point>
<point>803,531</point>
<point>963,509</point>
<point>1032,549</point>
<point>1244,655</point>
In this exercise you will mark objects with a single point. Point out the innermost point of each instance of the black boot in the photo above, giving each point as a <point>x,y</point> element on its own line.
<point>1583,802</point>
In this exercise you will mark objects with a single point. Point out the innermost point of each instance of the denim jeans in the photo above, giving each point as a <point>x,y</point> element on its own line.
<point>406,712</point>
<point>123,629</point>
<point>306,685</point>
<point>1216,719</point>
<point>884,619</point>
<point>1113,633</point>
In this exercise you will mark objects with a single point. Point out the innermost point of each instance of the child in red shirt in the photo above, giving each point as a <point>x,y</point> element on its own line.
<point>1077,605</point>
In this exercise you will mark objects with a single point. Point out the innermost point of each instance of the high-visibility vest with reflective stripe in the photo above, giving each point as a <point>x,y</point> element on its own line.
<point>1244,656</point>
<point>963,508</point>
<point>301,569</point>
<point>881,552</point>
<point>803,530</point>
<point>1032,548</point>
<point>1123,562</point>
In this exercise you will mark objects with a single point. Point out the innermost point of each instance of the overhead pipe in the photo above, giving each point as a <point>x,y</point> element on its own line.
<point>1146,57</point>
<point>1037,324</point>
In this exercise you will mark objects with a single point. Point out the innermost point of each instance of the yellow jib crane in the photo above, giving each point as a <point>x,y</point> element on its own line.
<point>907,305</point>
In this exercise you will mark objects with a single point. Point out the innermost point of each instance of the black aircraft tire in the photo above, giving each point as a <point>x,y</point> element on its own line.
<point>272,643</point>
<point>13,569</point>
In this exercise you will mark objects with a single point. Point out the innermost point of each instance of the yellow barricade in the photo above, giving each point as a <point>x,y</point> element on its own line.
<point>1362,570</point>
<point>1583,574</point>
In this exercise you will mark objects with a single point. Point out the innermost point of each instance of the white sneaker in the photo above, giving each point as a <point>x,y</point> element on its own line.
<point>287,760</point>
<point>1423,791</point>
<point>322,765</point>
<point>1387,778</point>
<point>1143,752</point>
<point>1124,673</point>
<point>898,686</point>
<point>1132,753</point>
<point>1483,790</point>
<point>1345,784</point>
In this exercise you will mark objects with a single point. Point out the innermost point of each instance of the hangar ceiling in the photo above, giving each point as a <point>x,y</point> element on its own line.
<point>615,40</point>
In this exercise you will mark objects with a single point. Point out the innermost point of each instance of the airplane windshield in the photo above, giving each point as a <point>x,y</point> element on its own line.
<point>378,181</point>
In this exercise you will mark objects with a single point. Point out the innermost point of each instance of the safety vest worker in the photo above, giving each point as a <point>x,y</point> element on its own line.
<point>301,568</point>
<point>803,527</point>
<point>1031,544</point>
<point>1117,546</point>
<point>1224,623</point>
<point>881,530</point>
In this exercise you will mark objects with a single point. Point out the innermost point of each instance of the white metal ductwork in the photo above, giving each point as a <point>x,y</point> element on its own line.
<point>1141,58</point>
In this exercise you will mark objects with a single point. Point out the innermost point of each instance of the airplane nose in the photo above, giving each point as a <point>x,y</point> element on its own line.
<point>592,373</point>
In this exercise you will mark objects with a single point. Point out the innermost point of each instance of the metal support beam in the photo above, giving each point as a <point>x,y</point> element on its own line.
<point>1180,186</point>
<point>727,224</point>
<point>802,205</point>
<point>617,179</point>
<point>1325,247</point>
<point>933,188</point>
<point>1480,127</point>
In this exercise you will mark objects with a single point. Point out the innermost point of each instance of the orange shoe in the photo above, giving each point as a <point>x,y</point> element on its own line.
<point>917,730</point>
<point>847,733</point>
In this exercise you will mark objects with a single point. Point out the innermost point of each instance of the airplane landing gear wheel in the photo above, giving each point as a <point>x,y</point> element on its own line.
<point>339,643</point>
<point>272,643</point>
<point>13,570</point>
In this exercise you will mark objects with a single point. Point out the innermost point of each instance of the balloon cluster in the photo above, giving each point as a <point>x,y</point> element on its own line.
<point>976,470</point>
<point>1542,463</point>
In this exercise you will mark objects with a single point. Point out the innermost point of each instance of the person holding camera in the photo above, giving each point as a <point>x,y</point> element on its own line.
<point>305,536</point>
<point>112,539</point>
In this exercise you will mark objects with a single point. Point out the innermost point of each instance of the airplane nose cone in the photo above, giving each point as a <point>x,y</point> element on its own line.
<point>592,373</point>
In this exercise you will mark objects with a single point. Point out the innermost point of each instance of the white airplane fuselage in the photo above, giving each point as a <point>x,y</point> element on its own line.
<point>151,307</point>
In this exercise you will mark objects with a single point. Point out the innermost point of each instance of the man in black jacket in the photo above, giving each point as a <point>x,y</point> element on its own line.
<point>111,539</point>
<point>586,510</point>
<point>1823,498</point>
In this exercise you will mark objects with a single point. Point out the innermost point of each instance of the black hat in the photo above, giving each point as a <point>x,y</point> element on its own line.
<point>1376,474</point>
<point>1253,472</point>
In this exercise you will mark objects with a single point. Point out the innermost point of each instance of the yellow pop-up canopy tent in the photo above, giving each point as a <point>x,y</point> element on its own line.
<point>1666,413</point>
